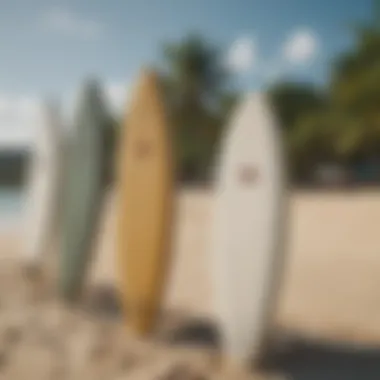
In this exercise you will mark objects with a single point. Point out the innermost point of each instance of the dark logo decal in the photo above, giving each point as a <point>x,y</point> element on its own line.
<point>248,174</point>
<point>143,149</point>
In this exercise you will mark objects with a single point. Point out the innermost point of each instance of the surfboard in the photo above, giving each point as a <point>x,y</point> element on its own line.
<point>43,182</point>
<point>83,190</point>
<point>145,203</point>
<point>246,252</point>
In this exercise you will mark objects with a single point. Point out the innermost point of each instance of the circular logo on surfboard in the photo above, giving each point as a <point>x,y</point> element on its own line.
<point>143,149</point>
<point>248,174</point>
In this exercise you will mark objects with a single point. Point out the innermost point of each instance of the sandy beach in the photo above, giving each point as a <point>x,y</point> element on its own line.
<point>330,291</point>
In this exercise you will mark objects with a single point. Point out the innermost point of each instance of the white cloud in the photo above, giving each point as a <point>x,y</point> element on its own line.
<point>301,46</point>
<point>116,93</point>
<point>67,22</point>
<point>17,119</point>
<point>241,55</point>
<point>18,114</point>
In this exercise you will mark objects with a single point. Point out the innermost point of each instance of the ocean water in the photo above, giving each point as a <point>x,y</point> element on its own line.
<point>11,207</point>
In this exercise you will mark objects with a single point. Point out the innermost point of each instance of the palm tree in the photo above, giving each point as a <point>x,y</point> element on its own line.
<point>355,84</point>
<point>195,83</point>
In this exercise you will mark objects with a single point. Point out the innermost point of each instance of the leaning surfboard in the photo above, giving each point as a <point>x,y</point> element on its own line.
<point>246,254</point>
<point>145,203</point>
<point>42,193</point>
<point>82,191</point>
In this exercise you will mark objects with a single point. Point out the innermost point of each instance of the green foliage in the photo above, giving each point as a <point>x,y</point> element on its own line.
<point>195,85</point>
<point>355,89</point>
<point>343,124</point>
<point>299,108</point>
<point>293,100</point>
<point>338,124</point>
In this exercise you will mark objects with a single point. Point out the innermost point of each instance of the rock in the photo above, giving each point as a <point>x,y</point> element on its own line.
<point>31,273</point>
<point>12,335</point>
<point>12,329</point>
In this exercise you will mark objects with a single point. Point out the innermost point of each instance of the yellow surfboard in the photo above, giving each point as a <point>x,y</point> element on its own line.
<point>145,204</point>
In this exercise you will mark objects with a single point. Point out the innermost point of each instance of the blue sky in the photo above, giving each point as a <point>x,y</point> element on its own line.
<point>48,47</point>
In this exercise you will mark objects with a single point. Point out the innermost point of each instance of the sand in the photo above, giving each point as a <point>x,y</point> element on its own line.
<point>330,290</point>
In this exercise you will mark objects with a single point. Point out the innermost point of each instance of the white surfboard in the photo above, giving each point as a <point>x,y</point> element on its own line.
<point>246,251</point>
<point>43,182</point>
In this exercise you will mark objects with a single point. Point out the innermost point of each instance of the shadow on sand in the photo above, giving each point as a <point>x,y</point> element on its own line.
<point>306,359</point>
<point>103,301</point>
<point>174,327</point>
<point>178,328</point>
<point>294,357</point>
<point>291,355</point>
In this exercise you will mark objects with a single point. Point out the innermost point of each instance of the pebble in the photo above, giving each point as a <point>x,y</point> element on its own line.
<point>12,335</point>
<point>12,327</point>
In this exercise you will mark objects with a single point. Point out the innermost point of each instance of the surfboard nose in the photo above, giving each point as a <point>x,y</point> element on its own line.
<point>148,81</point>
<point>256,103</point>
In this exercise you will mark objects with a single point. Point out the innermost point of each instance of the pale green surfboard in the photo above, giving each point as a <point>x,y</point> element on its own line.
<point>83,189</point>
